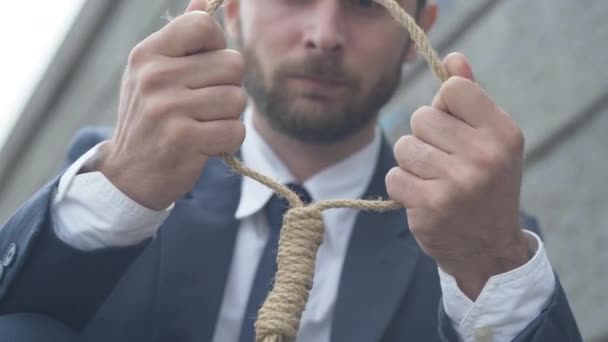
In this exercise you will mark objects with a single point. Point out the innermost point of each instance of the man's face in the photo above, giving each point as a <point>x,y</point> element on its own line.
<point>320,70</point>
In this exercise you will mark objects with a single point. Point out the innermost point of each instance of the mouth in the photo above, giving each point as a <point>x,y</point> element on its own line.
<point>324,83</point>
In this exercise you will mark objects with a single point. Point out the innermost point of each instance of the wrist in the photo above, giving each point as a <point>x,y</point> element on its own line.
<point>92,164</point>
<point>473,272</point>
<point>132,183</point>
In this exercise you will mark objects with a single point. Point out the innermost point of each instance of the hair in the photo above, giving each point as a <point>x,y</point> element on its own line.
<point>421,4</point>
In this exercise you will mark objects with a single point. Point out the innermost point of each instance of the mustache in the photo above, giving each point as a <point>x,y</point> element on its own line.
<point>321,67</point>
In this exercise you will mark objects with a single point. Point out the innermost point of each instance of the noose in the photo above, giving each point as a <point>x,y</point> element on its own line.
<point>302,232</point>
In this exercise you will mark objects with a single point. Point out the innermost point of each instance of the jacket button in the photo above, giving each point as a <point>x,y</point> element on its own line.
<point>9,256</point>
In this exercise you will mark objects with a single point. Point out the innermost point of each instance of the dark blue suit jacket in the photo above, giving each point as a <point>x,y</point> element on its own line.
<point>170,288</point>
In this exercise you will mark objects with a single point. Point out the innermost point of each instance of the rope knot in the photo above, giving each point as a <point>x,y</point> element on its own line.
<point>301,235</point>
<point>305,219</point>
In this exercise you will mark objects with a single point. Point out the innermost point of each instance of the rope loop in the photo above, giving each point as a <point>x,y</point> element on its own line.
<point>302,233</point>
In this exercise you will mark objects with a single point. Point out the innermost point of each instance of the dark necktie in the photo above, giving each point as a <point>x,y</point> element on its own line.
<point>262,284</point>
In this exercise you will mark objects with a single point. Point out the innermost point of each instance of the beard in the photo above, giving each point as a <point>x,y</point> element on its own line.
<point>320,119</point>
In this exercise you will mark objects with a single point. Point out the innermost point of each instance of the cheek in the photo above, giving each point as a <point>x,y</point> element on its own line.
<point>389,44</point>
<point>375,58</point>
<point>270,45</point>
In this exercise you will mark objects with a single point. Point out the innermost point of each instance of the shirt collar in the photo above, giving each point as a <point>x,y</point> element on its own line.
<point>335,181</point>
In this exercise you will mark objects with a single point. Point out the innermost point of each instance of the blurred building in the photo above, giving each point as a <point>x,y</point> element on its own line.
<point>543,61</point>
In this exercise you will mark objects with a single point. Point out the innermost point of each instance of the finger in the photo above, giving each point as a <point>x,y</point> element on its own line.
<point>220,136</point>
<point>467,101</point>
<point>456,64</point>
<point>193,32</point>
<point>227,68</point>
<point>196,5</point>
<point>441,130</point>
<point>463,98</point>
<point>420,158</point>
<point>405,188</point>
<point>215,103</point>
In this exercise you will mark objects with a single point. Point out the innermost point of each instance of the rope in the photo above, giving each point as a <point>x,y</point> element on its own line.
<point>418,36</point>
<point>302,233</point>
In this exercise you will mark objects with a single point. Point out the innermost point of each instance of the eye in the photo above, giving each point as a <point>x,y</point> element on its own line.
<point>367,6</point>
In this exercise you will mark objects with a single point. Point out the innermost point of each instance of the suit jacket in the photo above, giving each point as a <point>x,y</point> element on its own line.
<point>170,288</point>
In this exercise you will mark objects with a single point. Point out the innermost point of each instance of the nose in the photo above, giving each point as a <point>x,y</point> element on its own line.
<point>326,29</point>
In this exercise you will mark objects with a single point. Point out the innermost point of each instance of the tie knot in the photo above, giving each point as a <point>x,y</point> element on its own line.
<point>277,206</point>
<point>301,192</point>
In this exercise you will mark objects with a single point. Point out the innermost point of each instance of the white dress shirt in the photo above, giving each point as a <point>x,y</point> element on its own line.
<point>106,217</point>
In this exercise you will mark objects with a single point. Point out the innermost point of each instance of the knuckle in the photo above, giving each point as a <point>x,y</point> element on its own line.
<point>147,79</point>
<point>454,86</point>
<point>239,135</point>
<point>231,99</point>
<point>417,117</point>
<point>456,82</point>
<point>201,21</point>
<point>138,55</point>
<point>488,158</point>
<point>420,118</point>
<point>516,139</point>
<point>469,182</point>
<point>402,146</point>
<point>485,155</point>
<point>235,62</point>
<point>391,181</point>
<point>228,138</point>
<point>152,76</point>
<point>158,107</point>
<point>239,98</point>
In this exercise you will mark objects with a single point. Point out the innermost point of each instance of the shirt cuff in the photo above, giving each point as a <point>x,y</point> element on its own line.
<point>507,303</point>
<point>89,212</point>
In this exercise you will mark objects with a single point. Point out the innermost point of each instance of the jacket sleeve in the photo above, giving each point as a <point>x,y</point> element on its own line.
<point>39,273</point>
<point>556,322</point>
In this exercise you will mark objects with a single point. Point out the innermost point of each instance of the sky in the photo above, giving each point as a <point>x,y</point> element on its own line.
<point>30,34</point>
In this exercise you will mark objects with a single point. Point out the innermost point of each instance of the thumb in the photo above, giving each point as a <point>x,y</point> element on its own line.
<point>196,5</point>
<point>456,64</point>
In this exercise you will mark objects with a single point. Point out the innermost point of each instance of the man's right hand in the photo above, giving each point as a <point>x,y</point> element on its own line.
<point>180,103</point>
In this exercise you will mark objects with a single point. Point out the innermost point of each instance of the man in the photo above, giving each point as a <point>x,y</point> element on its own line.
<point>146,237</point>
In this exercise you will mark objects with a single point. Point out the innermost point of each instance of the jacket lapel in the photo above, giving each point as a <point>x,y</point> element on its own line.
<point>379,265</point>
<point>196,251</point>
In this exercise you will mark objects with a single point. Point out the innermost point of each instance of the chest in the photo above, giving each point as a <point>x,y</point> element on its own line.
<point>371,283</point>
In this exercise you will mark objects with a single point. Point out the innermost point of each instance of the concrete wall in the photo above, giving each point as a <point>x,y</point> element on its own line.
<point>84,94</point>
<point>542,60</point>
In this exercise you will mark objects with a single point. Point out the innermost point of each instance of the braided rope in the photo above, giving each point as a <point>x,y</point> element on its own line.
<point>302,233</point>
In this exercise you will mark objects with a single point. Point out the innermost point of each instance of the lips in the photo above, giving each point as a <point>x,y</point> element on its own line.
<point>319,82</point>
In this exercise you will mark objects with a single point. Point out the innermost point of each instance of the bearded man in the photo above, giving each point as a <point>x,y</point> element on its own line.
<point>147,237</point>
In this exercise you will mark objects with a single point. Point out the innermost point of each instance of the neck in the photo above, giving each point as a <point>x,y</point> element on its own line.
<point>306,159</point>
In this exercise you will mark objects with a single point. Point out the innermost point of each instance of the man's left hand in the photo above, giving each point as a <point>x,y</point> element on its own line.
<point>459,176</point>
